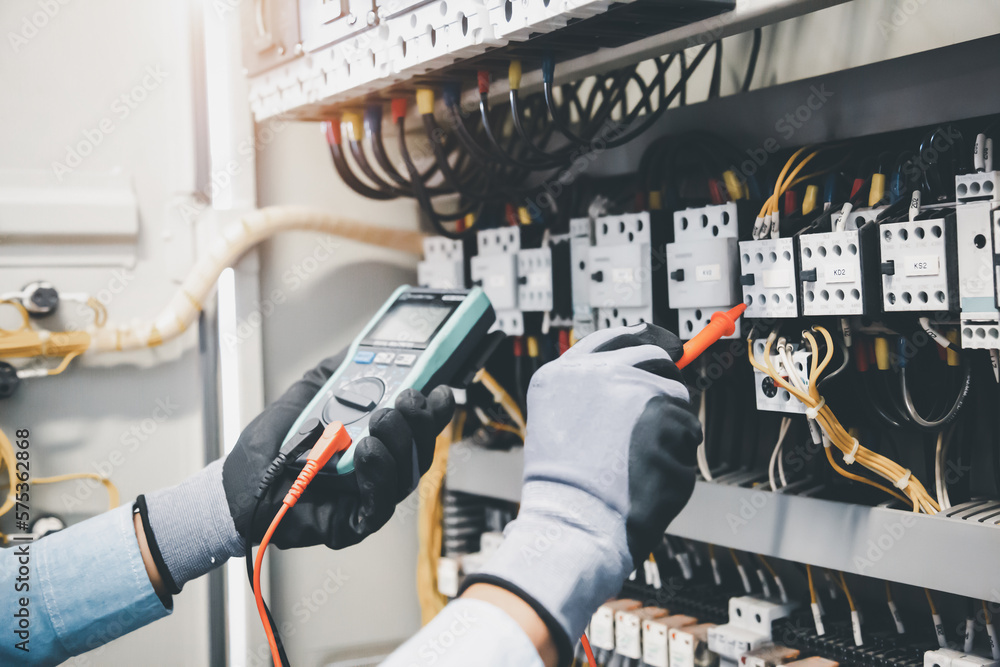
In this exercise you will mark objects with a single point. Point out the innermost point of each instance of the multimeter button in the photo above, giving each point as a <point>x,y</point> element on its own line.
<point>405,359</point>
<point>384,357</point>
<point>364,357</point>
<point>354,400</point>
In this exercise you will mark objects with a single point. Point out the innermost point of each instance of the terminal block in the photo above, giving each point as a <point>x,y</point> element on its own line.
<point>495,270</point>
<point>919,265</point>
<point>769,275</point>
<point>770,396</point>
<point>702,265</point>
<point>620,270</point>
<point>977,287</point>
<point>443,266</point>
<point>749,627</point>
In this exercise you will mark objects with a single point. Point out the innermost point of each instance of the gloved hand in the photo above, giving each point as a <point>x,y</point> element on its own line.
<point>607,465</point>
<point>206,519</point>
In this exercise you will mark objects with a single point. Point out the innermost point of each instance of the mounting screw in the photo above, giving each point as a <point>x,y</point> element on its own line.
<point>9,381</point>
<point>40,298</point>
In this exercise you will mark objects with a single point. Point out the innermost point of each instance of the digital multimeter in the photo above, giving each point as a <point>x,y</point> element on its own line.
<point>419,339</point>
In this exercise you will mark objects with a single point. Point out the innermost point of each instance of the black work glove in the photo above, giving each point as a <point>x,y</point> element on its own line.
<point>331,512</point>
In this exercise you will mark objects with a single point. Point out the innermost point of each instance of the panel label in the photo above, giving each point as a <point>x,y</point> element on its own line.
<point>602,628</point>
<point>707,273</point>
<point>840,273</point>
<point>776,278</point>
<point>626,275</point>
<point>654,644</point>
<point>922,265</point>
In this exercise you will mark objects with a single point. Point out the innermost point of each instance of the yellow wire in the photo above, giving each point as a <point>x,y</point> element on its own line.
<point>986,612</point>
<point>888,592</point>
<point>847,592</point>
<point>812,586</point>
<point>838,436</point>
<point>113,495</point>
<point>768,566</point>
<point>930,602</point>
<point>503,398</point>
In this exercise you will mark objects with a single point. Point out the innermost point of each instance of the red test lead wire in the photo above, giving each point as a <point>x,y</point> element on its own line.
<point>334,439</point>
<point>721,324</point>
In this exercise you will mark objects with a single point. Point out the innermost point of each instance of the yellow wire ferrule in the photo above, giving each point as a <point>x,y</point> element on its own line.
<point>353,121</point>
<point>425,101</point>
<point>809,199</point>
<point>655,200</point>
<point>532,347</point>
<point>882,353</point>
<point>514,74</point>
<point>733,185</point>
<point>877,190</point>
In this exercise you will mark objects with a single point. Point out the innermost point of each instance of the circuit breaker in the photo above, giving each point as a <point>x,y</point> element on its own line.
<point>770,396</point>
<point>702,265</point>
<point>769,277</point>
<point>443,266</point>
<point>919,265</point>
<point>495,270</point>
<point>620,270</point>
<point>976,275</point>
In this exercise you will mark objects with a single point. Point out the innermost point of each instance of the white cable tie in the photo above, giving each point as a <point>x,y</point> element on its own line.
<point>849,458</point>
<point>812,412</point>
<point>43,336</point>
<point>903,481</point>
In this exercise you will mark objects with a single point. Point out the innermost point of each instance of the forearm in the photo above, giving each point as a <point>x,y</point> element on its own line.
<point>475,631</point>
<point>84,587</point>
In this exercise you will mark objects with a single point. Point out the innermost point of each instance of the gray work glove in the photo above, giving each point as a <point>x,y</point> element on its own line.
<point>607,465</point>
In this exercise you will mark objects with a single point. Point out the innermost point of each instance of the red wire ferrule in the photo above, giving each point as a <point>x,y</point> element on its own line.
<point>331,129</point>
<point>483,78</point>
<point>398,109</point>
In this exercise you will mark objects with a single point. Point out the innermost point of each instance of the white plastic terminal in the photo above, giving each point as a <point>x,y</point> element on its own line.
<point>770,396</point>
<point>702,265</point>
<point>917,268</point>
<point>620,270</point>
<point>579,256</point>
<point>495,270</point>
<point>443,264</point>
<point>978,185</point>
<point>832,275</point>
<point>769,278</point>
<point>534,276</point>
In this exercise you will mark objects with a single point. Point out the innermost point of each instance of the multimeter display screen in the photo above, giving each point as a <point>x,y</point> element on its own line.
<point>410,324</point>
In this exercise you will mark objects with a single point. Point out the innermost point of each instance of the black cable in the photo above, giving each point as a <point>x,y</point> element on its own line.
<point>715,86</point>
<point>344,170</point>
<point>752,62</point>
<point>381,184</point>
<point>424,199</point>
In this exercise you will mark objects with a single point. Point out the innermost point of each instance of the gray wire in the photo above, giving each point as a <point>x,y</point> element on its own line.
<point>952,412</point>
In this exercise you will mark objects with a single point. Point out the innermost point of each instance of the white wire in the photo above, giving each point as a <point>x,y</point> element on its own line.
<point>786,422</point>
<point>940,455</point>
<point>702,455</point>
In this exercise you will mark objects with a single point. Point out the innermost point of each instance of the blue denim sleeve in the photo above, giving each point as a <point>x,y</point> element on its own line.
<point>81,587</point>
<point>468,632</point>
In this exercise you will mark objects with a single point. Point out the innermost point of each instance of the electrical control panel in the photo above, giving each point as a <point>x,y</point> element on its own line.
<point>534,280</point>
<point>495,270</point>
<point>703,265</point>
<point>443,266</point>
<point>919,265</point>
<point>832,275</point>
<point>769,276</point>
<point>620,270</point>
<point>977,275</point>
